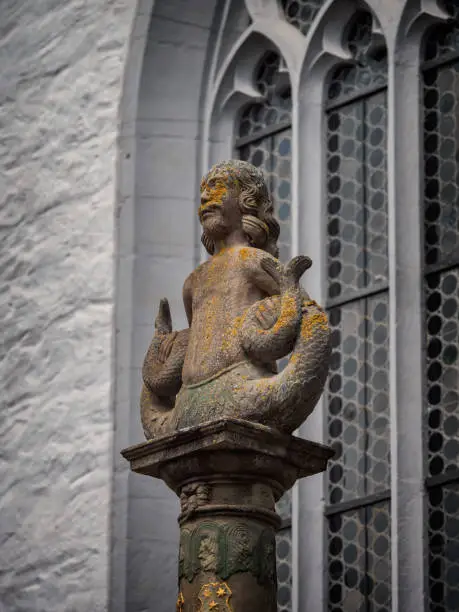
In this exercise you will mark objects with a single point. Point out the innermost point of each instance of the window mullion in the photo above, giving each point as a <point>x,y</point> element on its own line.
<point>406,333</point>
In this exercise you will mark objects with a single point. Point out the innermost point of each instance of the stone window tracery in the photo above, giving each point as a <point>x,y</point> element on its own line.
<point>358,390</point>
<point>441,290</point>
<point>301,13</point>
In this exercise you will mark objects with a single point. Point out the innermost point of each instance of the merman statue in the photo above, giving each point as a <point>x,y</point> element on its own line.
<point>245,311</point>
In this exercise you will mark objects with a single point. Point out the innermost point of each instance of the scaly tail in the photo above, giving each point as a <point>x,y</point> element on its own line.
<point>155,413</point>
<point>162,373</point>
<point>285,401</point>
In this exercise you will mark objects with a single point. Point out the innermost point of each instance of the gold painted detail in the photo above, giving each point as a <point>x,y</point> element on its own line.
<point>214,597</point>
<point>180,606</point>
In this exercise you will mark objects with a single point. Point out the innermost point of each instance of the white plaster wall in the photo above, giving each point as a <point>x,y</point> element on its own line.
<point>61,71</point>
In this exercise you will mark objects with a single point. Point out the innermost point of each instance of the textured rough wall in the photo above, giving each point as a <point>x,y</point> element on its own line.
<point>62,64</point>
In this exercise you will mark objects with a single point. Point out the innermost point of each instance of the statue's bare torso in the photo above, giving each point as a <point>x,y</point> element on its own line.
<point>216,295</point>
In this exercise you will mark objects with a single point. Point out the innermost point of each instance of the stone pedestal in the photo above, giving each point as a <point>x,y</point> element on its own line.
<point>229,475</point>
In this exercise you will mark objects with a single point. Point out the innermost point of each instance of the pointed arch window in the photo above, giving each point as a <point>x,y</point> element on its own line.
<point>358,508</point>
<point>264,140</point>
<point>441,282</point>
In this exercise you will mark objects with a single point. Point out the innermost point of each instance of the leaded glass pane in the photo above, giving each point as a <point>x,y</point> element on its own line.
<point>301,13</point>
<point>444,548</point>
<point>359,560</point>
<point>284,570</point>
<point>442,310</point>
<point>273,154</point>
<point>358,396</point>
<point>357,196</point>
<point>369,69</point>
<point>274,85</point>
<point>441,250</point>
<point>358,385</point>
<point>281,189</point>
<point>441,164</point>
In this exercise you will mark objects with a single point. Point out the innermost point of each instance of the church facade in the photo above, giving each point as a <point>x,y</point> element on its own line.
<point>111,111</point>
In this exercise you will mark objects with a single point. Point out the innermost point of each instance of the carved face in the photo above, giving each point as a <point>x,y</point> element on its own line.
<point>219,212</point>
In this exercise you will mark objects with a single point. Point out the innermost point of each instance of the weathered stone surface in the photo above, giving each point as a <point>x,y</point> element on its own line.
<point>245,448</point>
<point>62,66</point>
<point>245,311</point>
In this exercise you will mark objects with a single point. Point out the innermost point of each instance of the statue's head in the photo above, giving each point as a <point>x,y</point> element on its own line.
<point>238,189</point>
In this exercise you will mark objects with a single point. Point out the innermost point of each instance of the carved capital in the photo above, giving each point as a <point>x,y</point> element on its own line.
<point>194,496</point>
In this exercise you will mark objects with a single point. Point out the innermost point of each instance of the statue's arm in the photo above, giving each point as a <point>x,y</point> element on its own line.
<point>188,298</point>
<point>265,282</point>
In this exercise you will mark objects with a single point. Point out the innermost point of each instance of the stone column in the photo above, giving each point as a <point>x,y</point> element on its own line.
<point>229,475</point>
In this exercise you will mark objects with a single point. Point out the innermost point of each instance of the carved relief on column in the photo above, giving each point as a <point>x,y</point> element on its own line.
<point>224,547</point>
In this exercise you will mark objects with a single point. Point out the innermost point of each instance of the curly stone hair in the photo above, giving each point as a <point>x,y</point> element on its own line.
<point>258,221</point>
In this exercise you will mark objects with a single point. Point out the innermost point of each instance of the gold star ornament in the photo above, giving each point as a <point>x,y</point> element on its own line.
<point>214,597</point>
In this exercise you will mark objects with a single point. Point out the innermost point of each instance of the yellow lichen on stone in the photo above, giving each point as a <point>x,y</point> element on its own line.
<point>245,253</point>
<point>217,193</point>
<point>287,313</point>
<point>209,320</point>
<point>232,333</point>
<point>311,323</point>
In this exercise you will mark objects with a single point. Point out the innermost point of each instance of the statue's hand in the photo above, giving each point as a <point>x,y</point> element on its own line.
<point>289,275</point>
<point>267,313</point>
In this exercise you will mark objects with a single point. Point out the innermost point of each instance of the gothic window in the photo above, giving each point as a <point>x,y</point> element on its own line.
<point>358,508</point>
<point>264,139</point>
<point>441,267</point>
<point>301,13</point>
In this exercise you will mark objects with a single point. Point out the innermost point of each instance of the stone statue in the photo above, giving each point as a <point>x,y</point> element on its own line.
<point>245,311</point>
<point>215,411</point>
